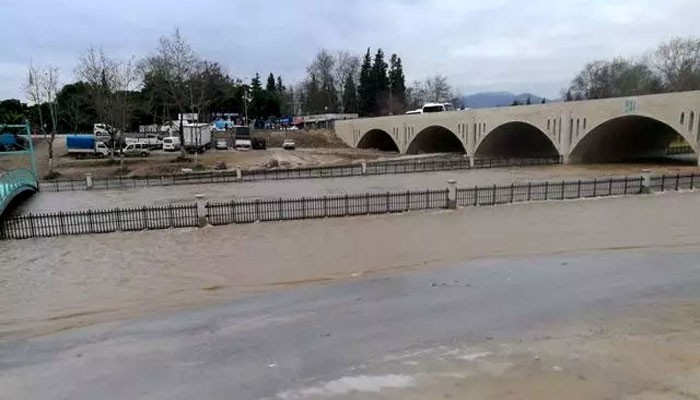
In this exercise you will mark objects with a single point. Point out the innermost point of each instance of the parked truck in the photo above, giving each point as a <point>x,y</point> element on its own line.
<point>81,146</point>
<point>12,142</point>
<point>197,137</point>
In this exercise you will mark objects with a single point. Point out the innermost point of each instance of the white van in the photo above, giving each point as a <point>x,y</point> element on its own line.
<point>171,143</point>
<point>437,107</point>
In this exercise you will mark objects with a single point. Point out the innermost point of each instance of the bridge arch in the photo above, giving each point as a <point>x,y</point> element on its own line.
<point>379,140</point>
<point>436,139</point>
<point>626,138</point>
<point>516,139</point>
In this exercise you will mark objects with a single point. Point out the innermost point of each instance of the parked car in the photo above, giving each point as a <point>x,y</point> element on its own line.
<point>221,144</point>
<point>259,143</point>
<point>242,144</point>
<point>288,144</point>
<point>171,143</point>
<point>136,150</point>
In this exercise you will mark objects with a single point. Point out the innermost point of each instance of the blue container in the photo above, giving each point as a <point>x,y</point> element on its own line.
<point>80,142</point>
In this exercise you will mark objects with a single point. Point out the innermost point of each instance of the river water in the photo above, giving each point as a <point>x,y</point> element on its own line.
<point>100,199</point>
<point>59,283</point>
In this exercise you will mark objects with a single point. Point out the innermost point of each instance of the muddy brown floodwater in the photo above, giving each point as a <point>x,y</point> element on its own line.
<point>59,283</point>
<point>99,199</point>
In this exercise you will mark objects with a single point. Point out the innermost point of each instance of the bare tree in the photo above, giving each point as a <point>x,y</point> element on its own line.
<point>416,95</point>
<point>322,71</point>
<point>438,89</point>
<point>619,77</point>
<point>41,88</point>
<point>678,63</point>
<point>110,83</point>
<point>177,66</point>
<point>346,65</point>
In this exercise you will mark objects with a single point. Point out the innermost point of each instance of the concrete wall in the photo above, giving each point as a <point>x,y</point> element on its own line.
<point>564,124</point>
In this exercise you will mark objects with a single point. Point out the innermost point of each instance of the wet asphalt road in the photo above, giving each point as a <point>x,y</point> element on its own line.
<point>264,345</point>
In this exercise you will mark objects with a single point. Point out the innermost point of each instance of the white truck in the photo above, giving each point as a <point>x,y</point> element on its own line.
<point>81,146</point>
<point>197,137</point>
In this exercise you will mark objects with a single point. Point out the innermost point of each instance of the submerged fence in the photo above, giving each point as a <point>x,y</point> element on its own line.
<point>282,209</point>
<point>337,171</point>
<point>99,221</point>
<point>322,207</point>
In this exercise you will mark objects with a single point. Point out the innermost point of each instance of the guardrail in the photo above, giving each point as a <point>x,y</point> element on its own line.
<point>395,167</point>
<point>282,209</point>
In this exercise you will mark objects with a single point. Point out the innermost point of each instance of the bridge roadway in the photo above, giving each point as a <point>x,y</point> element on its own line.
<point>608,130</point>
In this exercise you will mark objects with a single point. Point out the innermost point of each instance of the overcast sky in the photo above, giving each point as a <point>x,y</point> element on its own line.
<point>510,45</point>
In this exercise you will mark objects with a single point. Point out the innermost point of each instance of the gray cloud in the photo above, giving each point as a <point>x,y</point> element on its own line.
<point>536,45</point>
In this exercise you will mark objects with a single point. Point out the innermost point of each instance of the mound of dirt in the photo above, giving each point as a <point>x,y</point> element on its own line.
<point>319,138</point>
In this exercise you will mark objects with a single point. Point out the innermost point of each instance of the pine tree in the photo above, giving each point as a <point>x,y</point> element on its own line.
<point>257,95</point>
<point>365,90</point>
<point>349,96</point>
<point>271,86</point>
<point>528,101</point>
<point>397,82</point>
<point>515,103</point>
<point>544,101</point>
<point>380,84</point>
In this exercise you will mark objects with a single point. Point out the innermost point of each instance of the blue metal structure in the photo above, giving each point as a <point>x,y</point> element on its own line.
<point>16,180</point>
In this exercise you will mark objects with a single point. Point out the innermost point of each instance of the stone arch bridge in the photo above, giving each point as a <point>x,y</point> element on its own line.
<point>608,130</point>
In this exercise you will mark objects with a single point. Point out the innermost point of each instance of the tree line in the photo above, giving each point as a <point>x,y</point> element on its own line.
<point>673,66</point>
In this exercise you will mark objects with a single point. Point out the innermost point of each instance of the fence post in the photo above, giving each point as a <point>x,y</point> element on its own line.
<point>145,217</point>
<point>692,180</point>
<point>279,209</point>
<point>408,200</point>
<point>303,207</point>
<point>60,221</point>
<point>364,168</point>
<point>626,178</point>
<point>257,209</point>
<point>367,203</point>
<point>663,182</point>
<point>171,214</point>
<point>347,204</point>
<point>201,212</point>
<point>493,195</point>
<point>387,202</point>
<point>88,181</point>
<point>595,187</point>
<point>512,192</point>
<point>678,178</point>
<point>452,194</point>
<point>119,218</point>
<point>610,187</point>
<point>546,190</point>
<point>529,190</point>
<point>325,206</point>
<point>239,175</point>
<point>563,186</point>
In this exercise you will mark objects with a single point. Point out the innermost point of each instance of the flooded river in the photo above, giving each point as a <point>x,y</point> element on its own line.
<point>58,283</point>
<point>99,199</point>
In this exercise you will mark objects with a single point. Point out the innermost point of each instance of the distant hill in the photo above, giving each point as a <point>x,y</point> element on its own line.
<point>497,99</point>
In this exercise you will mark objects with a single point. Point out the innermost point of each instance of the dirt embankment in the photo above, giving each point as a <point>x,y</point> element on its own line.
<point>314,148</point>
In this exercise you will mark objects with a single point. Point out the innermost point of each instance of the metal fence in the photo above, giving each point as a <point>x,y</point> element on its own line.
<point>679,149</point>
<point>674,182</point>
<point>99,221</point>
<point>565,190</point>
<point>372,168</point>
<point>246,211</point>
